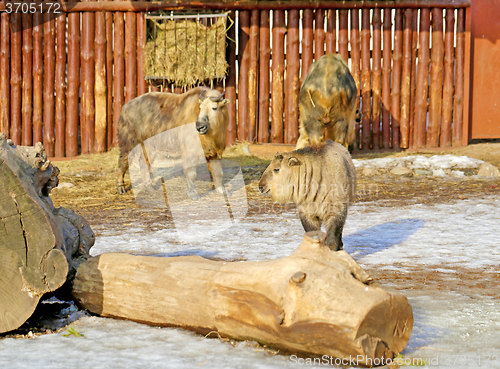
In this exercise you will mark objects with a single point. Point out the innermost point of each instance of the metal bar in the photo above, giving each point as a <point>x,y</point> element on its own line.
<point>396,78</point>
<point>386,79</point>
<point>278,71</point>
<point>292,82</point>
<point>449,63</point>
<point>145,6</point>
<point>376,76</point>
<point>49,83</point>
<point>73,98</point>
<point>16,78</point>
<point>436,80</point>
<point>264,78</point>
<point>60,117</point>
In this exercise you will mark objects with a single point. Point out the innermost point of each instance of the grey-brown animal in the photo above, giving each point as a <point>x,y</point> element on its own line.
<point>327,103</point>
<point>153,113</point>
<point>321,180</point>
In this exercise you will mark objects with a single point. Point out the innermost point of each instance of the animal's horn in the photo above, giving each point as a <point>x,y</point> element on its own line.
<point>218,98</point>
<point>202,95</point>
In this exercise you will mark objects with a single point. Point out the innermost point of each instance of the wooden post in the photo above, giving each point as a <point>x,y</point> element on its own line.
<point>49,65</point>
<point>87,125</point>
<point>109,78</point>
<point>343,25</point>
<point>406,80</point>
<point>331,32</point>
<point>130,56</point>
<point>27,100</point>
<point>142,86</point>
<point>60,114</point>
<point>386,79</point>
<point>396,78</point>
<point>365,79</point>
<point>422,79</point>
<point>73,98</point>
<point>38,77</point>
<point>413,82</point>
<point>253,75</point>
<point>319,33</point>
<point>307,42</point>
<point>264,77</point>
<point>449,62</point>
<point>292,78</point>
<point>16,77</point>
<point>119,72</point>
<point>278,71</point>
<point>436,80</point>
<point>377,75</point>
<point>231,82</point>
<point>356,65</point>
<point>5,74</point>
<point>458,119</point>
<point>101,100</point>
<point>244,63</point>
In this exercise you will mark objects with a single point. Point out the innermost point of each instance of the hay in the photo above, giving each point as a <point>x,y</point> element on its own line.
<point>186,52</point>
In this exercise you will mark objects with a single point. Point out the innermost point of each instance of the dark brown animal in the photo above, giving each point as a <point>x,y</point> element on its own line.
<point>153,113</point>
<point>321,180</point>
<point>327,103</point>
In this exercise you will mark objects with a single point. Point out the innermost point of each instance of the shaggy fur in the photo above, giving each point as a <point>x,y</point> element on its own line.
<point>156,112</point>
<point>327,103</point>
<point>321,180</point>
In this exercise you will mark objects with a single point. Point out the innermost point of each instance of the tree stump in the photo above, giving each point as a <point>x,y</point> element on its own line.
<point>38,244</point>
<point>315,301</point>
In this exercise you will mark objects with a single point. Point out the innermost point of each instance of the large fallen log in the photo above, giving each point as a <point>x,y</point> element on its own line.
<point>39,245</point>
<point>315,301</point>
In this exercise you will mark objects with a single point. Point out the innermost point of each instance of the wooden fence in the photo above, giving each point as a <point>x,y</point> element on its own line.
<point>64,79</point>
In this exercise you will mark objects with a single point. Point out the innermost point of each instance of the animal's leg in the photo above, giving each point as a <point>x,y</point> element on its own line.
<point>303,141</point>
<point>123,167</point>
<point>310,223</point>
<point>217,174</point>
<point>334,226</point>
<point>190,174</point>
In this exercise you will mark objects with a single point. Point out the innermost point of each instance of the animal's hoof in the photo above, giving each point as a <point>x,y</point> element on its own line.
<point>121,189</point>
<point>193,195</point>
<point>223,190</point>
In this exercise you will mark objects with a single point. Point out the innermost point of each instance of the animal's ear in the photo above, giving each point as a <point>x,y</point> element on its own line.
<point>292,160</point>
<point>224,102</point>
<point>278,156</point>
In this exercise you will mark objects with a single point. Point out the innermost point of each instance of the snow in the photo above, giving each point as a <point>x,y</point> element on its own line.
<point>448,327</point>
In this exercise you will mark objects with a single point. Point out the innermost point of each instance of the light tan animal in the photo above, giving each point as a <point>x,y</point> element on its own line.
<point>321,180</point>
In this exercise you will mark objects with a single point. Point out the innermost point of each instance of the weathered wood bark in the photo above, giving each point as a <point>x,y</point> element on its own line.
<point>37,242</point>
<point>314,301</point>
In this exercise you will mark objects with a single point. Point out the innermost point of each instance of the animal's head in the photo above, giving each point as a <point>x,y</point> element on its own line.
<point>212,110</point>
<point>280,176</point>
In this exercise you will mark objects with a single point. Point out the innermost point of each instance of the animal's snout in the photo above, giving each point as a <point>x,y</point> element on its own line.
<point>261,189</point>
<point>202,125</point>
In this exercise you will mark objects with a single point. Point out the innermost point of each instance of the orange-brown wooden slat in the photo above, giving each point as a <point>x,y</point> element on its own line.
<point>376,76</point>
<point>231,81</point>
<point>421,93</point>
<point>101,101</point>
<point>16,78</point>
<point>307,42</point>
<point>278,71</point>
<point>49,82</point>
<point>386,79</point>
<point>38,77</point>
<point>396,78</point>
<point>109,78</point>
<point>436,80</point>
<point>449,62</point>
<point>413,80</point>
<point>356,64</point>
<point>142,85</point>
<point>5,75</point>
<point>319,33</point>
<point>119,71</point>
<point>244,66</point>
<point>264,76</point>
<point>365,80</point>
<point>253,75</point>
<point>60,112</point>
<point>87,121</point>
<point>406,79</point>
<point>292,83</point>
<point>458,115</point>
<point>72,93</point>
<point>130,56</point>
<point>343,31</point>
<point>331,31</point>
<point>27,99</point>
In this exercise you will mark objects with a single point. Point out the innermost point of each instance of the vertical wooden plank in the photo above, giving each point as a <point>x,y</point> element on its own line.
<point>119,71</point>
<point>319,33</point>
<point>109,78</point>
<point>436,80</point>
<point>27,99</point>
<point>88,84</point>
<point>307,42</point>
<point>101,101</point>
<point>5,74</point>
<point>356,65</point>
<point>130,56</point>
<point>244,63</point>
<point>231,81</point>
<point>449,63</point>
<point>365,80</point>
<point>253,75</point>
<point>331,31</point>
<point>264,77</point>
<point>142,86</point>
<point>278,71</point>
<point>376,76</point>
<point>60,117</point>
<point>38,77</point>
<point>72,93</point>
<point>49,42</point>
<point>16,77</point>
<point>292,86</point>
<point>422,79</point>
<point>406,80</point>
<point>459,138</point>
<point>396,78</point>
<point>413,81</point>
<point>386,79</point>
<point>343,24</point>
